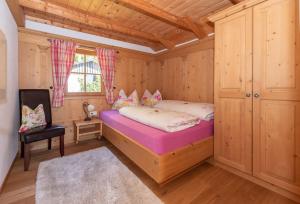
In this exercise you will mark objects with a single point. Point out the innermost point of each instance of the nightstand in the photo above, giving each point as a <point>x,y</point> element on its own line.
<point>82,128</point>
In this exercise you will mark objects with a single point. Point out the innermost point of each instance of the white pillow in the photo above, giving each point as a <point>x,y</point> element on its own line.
<point>205,111</point>
<point>123,100</point>
<point>150,100</point>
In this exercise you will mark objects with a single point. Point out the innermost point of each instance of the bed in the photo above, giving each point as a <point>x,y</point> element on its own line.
<point>162,155</point>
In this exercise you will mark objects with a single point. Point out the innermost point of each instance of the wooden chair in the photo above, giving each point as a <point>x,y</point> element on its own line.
<point>32,98</point>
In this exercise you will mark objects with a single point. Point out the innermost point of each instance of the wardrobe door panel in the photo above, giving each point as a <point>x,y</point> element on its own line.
<point>233,139</point>
<point>277,142</point>
<point>276,64</point>
<point>277,90</point>
<point>233,90</point>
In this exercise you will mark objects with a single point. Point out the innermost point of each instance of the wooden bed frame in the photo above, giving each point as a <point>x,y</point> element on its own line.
<point>161,168</point>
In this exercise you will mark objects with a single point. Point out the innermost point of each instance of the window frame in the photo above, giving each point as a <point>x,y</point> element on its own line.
<point>85,52</point>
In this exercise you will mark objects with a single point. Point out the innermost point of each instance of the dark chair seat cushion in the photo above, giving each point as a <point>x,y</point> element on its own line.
<point>42,133</point>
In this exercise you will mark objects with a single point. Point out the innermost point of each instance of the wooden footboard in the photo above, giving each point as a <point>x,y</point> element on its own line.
<point>160,167</point>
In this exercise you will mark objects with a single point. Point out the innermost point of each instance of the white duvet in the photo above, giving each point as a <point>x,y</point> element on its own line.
<point>204,111</point>
<point>169,121</point>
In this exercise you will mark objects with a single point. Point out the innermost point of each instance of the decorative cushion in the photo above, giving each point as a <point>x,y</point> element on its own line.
<point>32,118</point>
<point>150,100</point>
<point>123,100</point>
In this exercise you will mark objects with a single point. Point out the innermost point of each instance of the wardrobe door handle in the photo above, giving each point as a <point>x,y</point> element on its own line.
<point>256,95</point>
<point>248,95</point>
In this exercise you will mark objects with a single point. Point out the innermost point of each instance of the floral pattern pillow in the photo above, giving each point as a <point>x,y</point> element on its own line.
<point>32,118</point>
<point>150,100</point>
<point>123,100</point>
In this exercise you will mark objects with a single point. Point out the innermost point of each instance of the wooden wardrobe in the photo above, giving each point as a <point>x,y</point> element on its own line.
<point>257,90</point>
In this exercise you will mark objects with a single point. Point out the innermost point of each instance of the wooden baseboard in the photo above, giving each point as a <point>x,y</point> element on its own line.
<point>10,168</point>
<point>257,181</point>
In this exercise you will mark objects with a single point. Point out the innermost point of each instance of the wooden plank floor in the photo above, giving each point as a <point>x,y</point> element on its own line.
<point>204,184</point>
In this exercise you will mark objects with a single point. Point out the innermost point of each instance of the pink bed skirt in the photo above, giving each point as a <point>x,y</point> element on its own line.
<point>158,141</point>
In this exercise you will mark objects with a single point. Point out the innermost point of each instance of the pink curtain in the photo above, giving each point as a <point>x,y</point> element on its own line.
<point>107,60</point>
<point>62,57</point>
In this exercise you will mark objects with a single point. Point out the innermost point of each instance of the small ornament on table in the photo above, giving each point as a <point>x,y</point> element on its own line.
<point>89,111</point>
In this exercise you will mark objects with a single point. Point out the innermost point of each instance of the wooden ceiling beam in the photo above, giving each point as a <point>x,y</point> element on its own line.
<point>199,32</point>
<point>17,12</point>
<point>85,18</point>
<point>41,17</point>
<point>153,11</point>
<point>235,1</point>
<point>146,8</point>
<point>168,44</point>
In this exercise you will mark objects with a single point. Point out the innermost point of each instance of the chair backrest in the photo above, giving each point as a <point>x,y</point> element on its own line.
<point>32,98</point>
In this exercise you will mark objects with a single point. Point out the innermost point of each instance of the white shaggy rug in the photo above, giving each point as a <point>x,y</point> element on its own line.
<point>91,177</point>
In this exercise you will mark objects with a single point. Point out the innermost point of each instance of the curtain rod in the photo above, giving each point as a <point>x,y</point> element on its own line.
<point>86,46</point>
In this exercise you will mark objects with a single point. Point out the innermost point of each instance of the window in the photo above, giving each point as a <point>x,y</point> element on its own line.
<point>85,76</point>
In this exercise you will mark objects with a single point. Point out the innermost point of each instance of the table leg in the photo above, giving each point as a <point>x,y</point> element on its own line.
<point>100,134</point>
<point>77,135</point>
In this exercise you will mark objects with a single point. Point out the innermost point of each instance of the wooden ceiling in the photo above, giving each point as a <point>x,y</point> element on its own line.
<point>154,23</point>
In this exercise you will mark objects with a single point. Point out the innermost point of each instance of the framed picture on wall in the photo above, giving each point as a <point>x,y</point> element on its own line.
<point>3,66</point>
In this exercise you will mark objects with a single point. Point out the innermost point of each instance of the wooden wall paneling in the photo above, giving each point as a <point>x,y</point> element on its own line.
<point>233,90</point>
<point>139,74</point>
<point>134,70</point>
<point>151,78</point>
<point>34,60</point>
<point>205,44</point>
<point>199,68</point>
<point>277,105</point>
<point>187,72</point>
<point>173,73</point>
